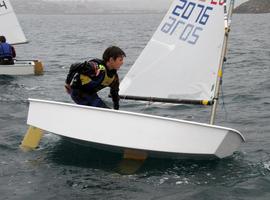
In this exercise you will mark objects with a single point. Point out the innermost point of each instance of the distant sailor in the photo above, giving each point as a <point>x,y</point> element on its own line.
<point>85,79</point>
<point>7,52</point>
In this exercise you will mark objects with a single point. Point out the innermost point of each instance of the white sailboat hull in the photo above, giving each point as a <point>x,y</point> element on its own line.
<point>17,69</point>
<point>22,68</point>
<point>159,136</point>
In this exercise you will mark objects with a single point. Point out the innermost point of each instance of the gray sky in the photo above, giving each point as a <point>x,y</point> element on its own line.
<point>161,2</point>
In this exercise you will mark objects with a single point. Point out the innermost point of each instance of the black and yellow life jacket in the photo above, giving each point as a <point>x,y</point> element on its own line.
<point>82,76</point>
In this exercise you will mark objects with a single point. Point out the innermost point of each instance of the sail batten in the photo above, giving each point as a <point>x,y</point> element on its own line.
<point>10,26</point>
<point>181,60</point>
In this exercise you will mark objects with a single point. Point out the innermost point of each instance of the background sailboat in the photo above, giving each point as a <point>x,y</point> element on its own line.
<point>11,29</point>
<point>182,63</point>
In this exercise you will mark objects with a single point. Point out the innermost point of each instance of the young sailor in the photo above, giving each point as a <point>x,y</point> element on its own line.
<point>86,79</point>
<point>7,52</point>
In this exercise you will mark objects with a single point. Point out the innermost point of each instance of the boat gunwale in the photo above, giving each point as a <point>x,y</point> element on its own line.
<point>136,114</point>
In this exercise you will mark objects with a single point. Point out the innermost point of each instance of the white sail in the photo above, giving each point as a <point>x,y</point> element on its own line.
<point>9,25</point>
<point>182,58</point>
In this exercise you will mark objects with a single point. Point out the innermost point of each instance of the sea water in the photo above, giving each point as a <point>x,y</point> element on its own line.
<point>63,170</point>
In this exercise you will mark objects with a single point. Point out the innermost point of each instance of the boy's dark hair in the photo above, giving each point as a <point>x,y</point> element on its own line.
<point>2,38</point>
<point>112,52</point>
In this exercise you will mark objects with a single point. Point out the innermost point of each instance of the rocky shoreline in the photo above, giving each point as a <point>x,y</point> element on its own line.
<point>254,7</point>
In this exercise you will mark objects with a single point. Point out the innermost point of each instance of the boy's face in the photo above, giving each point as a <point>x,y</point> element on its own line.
<point>115,64</point>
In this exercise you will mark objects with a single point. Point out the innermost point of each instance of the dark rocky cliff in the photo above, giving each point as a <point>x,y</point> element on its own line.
<point>254,6</point>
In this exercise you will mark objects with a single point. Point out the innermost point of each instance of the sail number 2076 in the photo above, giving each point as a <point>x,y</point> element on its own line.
<point>182,20</point>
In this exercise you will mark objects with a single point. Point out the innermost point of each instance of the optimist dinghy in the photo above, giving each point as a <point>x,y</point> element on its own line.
<point>11,29</point>
<point>27,67</point>
<point>186,52</point>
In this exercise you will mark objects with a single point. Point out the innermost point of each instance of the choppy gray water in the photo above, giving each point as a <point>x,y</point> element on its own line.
<point>59,169</point>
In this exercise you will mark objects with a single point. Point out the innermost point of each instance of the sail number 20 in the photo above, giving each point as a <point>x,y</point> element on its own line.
<point>182,12</point>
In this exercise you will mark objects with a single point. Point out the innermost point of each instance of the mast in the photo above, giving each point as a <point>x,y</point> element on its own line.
<point>227,21</point>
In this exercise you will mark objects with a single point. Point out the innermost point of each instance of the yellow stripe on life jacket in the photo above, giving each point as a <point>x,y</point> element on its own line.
<point>107,80</point>
<point>85,79</point>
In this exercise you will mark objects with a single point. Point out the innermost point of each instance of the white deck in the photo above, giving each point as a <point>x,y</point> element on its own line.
<point>26,68</point>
